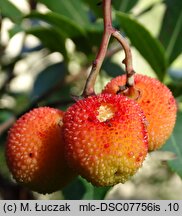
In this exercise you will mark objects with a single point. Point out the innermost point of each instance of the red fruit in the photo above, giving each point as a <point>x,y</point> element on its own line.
<point>157,102</point>
<point>105,138</point>
<point>34,151</point>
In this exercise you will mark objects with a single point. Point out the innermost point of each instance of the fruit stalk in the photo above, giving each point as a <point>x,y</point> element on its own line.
<point>128,58</point>
<point>89,87</point>
<point>108,32</point>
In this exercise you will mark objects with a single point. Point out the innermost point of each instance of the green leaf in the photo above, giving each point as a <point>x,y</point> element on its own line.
<point>10,10</point>
<point>14,30</point>
<point>93,5</point>
<point>171,31</point>
<point>72,9</point>
<point>75,190</point>
<point>50,37</point>
<point>5,115</point>
<point>149,47</point>
<point>124,5</point>
<point>174,144</point>
<point>67,27</point>
<point>4,169</point>
<point>175,84</point>
<point>100,192</point>
<point>112,69</point>
<point>94,193</point>
<point>92,39</point>
<point>176,88</point>
<point>48,79</point>
<point>82,189</point>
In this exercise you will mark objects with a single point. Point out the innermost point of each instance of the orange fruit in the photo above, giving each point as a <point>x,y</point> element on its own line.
<point>157,102</point>
<point>106,140</point>
<point>35,151</point>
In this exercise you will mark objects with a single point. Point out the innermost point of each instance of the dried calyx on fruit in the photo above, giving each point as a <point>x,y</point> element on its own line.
<point>157,102</point>
<point>105,138</point>
<point>35,151</point>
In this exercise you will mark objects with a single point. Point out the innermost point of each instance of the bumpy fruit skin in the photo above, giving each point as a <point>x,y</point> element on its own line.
<point>35,151</point>
<point>158,104</point>
<point>105,138</point>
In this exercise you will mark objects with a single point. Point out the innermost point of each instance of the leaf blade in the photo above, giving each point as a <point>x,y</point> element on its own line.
<point>48,36</point>
<point>10,10</point>
<point>174,145</point>
<point>171,30</point>
<point>47,79</point>
<point>72,9</point>
<point>124,5</point>
<point>64,24</point>
<point>149,47</point>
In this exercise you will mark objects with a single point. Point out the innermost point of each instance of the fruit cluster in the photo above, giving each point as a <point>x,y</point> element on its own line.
<point>104,138</point>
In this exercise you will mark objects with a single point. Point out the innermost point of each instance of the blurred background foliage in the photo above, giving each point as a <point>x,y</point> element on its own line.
<point>46,51</point>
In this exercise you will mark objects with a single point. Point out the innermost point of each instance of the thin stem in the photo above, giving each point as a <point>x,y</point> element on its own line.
<point>128,58</point>
<point>108,30</point>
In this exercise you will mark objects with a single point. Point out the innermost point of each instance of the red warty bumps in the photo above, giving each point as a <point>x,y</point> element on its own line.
<point>157,102</point>
<point>34,151</point>
<point>105,138</point>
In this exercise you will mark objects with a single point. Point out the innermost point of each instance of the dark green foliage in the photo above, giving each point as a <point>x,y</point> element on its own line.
<point>174,144</point>
<point>171,30</point>
<point>147,45</point>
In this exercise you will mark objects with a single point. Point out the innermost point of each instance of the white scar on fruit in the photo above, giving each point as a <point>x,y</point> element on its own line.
<point>106,112</point>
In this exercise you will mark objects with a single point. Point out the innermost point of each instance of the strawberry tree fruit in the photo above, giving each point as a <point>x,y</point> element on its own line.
<point>106,139</point>
<point>35,151</point>
<point>157,102</point>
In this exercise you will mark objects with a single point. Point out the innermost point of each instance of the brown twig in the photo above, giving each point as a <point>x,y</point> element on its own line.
<point>128,58</point>
<point>89,87</point>
<point>108,32</point>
